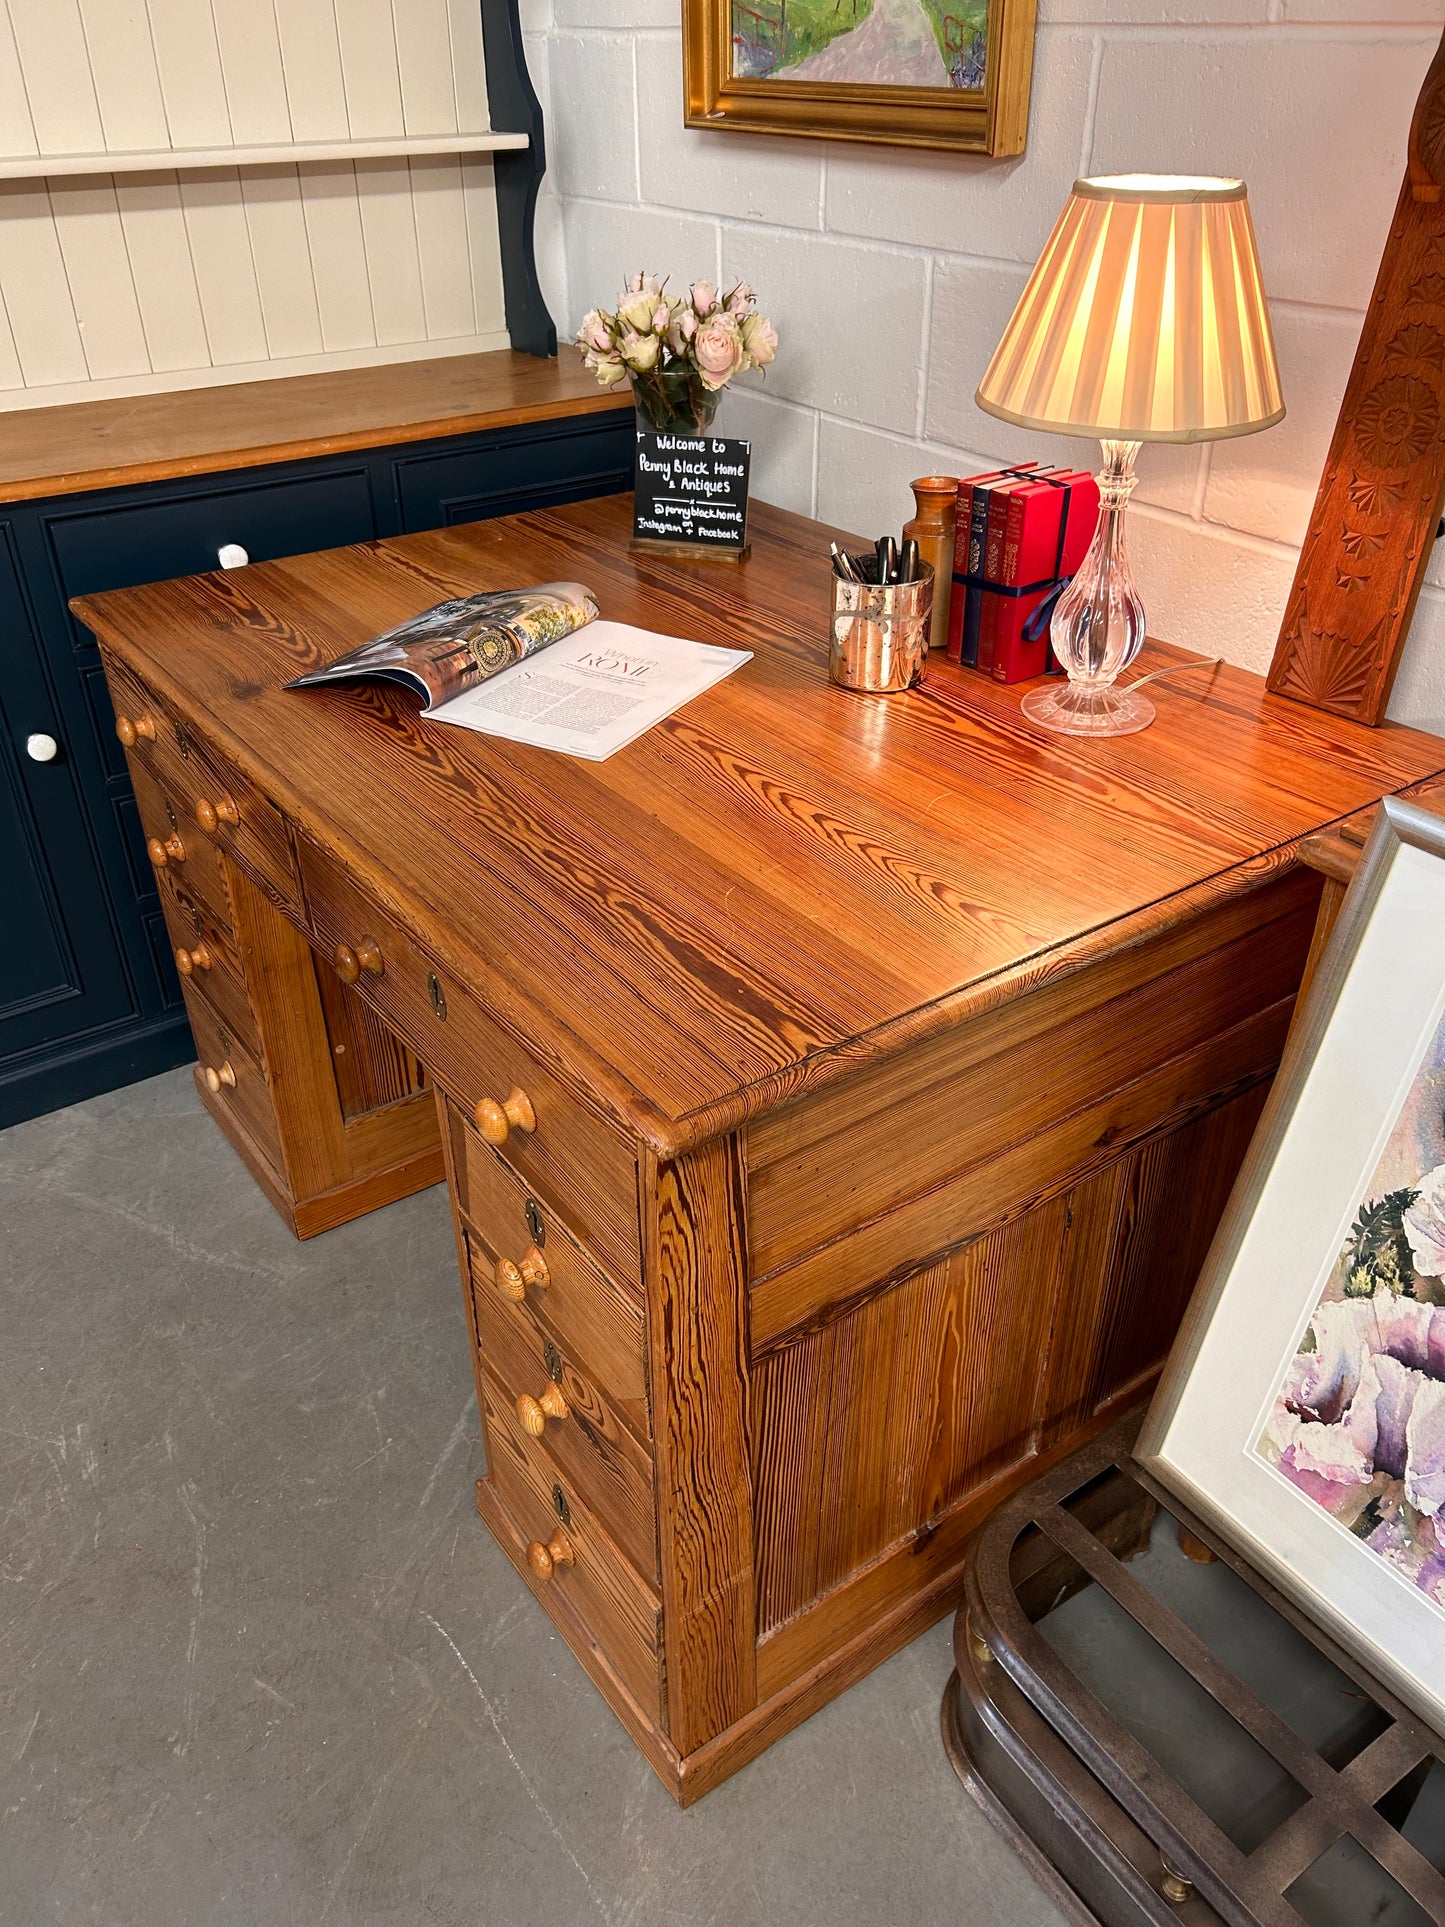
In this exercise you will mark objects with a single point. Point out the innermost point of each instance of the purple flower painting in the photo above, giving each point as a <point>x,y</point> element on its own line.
<point>1358,1422</point>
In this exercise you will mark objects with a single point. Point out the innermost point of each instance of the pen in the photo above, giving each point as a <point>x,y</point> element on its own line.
<point>887,550</point>
<point>909,565</point>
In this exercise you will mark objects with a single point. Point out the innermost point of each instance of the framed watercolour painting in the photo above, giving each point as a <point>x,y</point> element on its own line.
<point>1302,1411</point>
<point>908,73</point>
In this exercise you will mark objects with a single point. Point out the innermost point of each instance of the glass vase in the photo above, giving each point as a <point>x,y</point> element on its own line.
<point>673,401</point>
<point>1098,624</point>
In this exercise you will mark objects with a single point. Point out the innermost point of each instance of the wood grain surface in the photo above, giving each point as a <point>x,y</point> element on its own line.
<point>888,1063</point>
<point>148,438</point>
<point>785,879</point>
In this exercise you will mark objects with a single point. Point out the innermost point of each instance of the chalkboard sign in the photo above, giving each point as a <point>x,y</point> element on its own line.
<point>691,495</point>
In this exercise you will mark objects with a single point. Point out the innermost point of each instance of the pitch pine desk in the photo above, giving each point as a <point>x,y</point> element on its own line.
<point>837,1094</point>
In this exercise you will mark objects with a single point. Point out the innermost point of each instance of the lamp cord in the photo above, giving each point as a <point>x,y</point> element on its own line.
<point>1174,669</point>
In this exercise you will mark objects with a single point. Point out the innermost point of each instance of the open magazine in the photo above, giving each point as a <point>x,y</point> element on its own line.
<point>452,647</point>
<point>602,684</point>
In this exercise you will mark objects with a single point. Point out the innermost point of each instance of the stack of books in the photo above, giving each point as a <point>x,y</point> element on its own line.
<point>1022,532</point>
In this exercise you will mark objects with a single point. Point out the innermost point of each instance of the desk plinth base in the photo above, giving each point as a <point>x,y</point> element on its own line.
<point>308,1216</point>
<point>688,1777</point>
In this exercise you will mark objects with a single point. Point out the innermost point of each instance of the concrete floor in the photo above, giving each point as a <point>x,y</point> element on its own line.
<point>260,1662</point>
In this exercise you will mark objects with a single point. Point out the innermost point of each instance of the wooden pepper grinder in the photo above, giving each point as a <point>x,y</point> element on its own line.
<point>932,529</point>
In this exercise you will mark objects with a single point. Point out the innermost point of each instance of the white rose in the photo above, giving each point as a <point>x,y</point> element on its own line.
<point>640,352</point>
<point>636,312</point>
<point>760,339</point>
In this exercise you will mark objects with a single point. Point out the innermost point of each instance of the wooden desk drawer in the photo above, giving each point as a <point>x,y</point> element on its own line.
<point>582,1166</point>
<point>585,1440</point>
<point>211,799</point>
<point>185,861</point>
<point>621,1614</point>
<point>191,920</point>
<point>232,1075</point>
<point>211,972</point>
<point>587,1313</point>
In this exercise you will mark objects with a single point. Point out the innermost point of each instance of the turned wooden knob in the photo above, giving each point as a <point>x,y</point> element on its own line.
<point>350,963</point>
<point>513,1280</point>
<point>189,961</point>
<point>496,1122</point>
<point>216,1078</point>
<point>535,1412</point>
<point>131,731</point>
<point>544,1560</point>
<point>171,851</point>
<point>211,815</point>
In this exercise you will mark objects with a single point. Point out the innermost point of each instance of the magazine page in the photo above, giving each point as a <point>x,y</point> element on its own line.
<point>595,692</point>
<point>456,645</point>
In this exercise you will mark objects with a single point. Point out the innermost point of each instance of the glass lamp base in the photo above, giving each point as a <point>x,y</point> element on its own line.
<point>1076,709</point>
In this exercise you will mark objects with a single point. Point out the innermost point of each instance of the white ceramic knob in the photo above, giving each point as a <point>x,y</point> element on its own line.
<point>41,748</point>
<point>231,555</point>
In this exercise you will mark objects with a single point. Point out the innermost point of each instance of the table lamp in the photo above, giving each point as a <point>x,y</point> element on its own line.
<point>1144,321</point>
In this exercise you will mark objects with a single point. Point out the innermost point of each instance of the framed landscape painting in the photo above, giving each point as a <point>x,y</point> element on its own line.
<point>911,73</point>
<point>1302,1412</point>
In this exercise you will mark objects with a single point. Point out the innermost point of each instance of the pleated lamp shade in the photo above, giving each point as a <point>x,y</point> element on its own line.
<point>1145,319</point>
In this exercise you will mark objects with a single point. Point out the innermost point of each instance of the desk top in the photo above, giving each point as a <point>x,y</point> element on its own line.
<point>784,879</point>
<point>197,431</point>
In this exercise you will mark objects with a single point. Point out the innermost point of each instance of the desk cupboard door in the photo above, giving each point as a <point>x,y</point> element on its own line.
<point>61,972</point>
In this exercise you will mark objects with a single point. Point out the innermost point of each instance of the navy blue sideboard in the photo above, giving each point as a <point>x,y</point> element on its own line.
<point>89,997</point>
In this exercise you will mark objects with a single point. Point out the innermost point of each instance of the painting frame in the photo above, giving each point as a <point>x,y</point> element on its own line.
<point>1365,1048</point>
<point>990,120</point>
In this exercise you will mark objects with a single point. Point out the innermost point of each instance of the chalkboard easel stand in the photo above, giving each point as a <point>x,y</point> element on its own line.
<point>690,551</point>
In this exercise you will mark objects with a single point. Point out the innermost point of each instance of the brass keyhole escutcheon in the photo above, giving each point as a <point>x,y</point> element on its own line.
<point>183,743</point>
<point>171,814</point>
<point>560,1505</point>
<point>536,1224</point>
<point>438,996</point>
<point>552,1359</point>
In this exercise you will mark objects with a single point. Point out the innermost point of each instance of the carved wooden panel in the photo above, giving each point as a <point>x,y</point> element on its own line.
<point>1381,494</point>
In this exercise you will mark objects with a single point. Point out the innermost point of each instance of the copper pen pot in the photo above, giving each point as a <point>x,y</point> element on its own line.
<point>879,637</point>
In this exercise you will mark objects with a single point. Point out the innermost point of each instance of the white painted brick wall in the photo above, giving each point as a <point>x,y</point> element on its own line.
<point>890,273</point>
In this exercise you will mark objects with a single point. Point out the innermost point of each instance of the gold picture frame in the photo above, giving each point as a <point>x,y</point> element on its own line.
<point>753,66</point>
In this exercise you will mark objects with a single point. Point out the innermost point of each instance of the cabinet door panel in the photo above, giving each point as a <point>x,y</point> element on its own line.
<point>514,472</point>
<point>61,973</point>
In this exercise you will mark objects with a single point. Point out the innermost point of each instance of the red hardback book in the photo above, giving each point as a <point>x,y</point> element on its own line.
<point>964,610</point>
<point>1000,506</point>
<point>1047,528</point>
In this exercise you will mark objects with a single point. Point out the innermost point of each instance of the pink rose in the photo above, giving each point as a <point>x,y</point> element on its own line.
<point>594,332</point>
<point>681,331</point>
<point>741,299</point>
<point>703,296</point>
<point>718,350</point>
